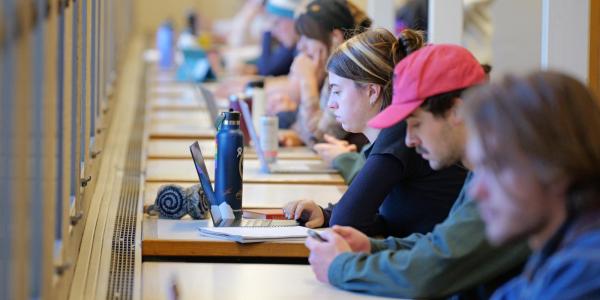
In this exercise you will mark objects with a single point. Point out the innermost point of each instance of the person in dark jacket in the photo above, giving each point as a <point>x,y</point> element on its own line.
<point>454,259</point>
<point>395,193</point>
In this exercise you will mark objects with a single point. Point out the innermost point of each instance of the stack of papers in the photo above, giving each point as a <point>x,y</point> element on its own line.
<point>254,234</point>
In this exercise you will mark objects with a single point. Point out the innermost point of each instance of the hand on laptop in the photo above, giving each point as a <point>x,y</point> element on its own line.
<point>295,209</point>
<point>333,148</point>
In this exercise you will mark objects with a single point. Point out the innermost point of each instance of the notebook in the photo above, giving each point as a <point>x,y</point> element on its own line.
<point>221,213</point>
<point>276,168</point>
<point>255,234</point>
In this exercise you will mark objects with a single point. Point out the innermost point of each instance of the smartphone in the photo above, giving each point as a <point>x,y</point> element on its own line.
<point>315,235</point>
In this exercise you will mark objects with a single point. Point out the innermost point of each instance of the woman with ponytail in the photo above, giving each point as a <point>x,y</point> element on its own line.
<point>322,26</point>
<point>396,192</point>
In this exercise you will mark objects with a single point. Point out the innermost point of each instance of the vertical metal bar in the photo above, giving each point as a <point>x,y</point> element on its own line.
<point>93,95</point>
<point>75,83</point>
<point>6,127</point>
<point>83,111</point>
<point>37,135</point>
<point>60,94</point>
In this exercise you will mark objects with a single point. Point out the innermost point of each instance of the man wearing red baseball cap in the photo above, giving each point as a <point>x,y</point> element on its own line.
<point>455,259</point>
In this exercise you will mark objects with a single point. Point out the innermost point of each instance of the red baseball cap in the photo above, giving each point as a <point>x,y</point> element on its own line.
<point>429,71</point>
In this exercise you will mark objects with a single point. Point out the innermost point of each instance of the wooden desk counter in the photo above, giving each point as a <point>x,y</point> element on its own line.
<point>182,170</point>
<point>170,149</point>
<point>171,87</point>
<point>160,103</point>
<point>181,131</point>
<point>184,102</point>
<point>199,116</point>
<point>237,282</point>
<point>256,195</point>
<point>181,238</point>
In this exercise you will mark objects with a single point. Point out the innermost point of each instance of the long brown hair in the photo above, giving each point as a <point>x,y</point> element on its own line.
<point>370,57</point>
<point>549,117</point>
<point>317,22</point>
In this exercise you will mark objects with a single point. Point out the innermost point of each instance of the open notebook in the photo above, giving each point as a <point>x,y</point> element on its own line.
<point>255,234</point>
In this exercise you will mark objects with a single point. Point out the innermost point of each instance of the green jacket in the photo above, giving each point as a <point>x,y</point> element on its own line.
<point>454,257</point>
<point>349,164</point>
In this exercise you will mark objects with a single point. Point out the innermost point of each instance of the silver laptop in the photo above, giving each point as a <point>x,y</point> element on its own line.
<point>211,103</point>
<point>221,213</point>
<point>278,168</point>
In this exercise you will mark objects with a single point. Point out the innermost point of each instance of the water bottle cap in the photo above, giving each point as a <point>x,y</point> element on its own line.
<point>256,84</point>
<point>232,115</point>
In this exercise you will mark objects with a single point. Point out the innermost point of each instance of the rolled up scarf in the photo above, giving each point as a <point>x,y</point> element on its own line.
<point>174,202</point>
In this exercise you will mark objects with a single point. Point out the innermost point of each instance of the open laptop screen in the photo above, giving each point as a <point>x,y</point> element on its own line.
<point>211,103</point>
<point>205,182</point>
<point>264,165</point>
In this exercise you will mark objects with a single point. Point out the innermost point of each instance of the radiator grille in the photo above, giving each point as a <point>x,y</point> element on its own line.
<point>122,268</point>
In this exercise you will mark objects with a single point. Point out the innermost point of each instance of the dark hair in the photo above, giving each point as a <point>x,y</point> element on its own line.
<point>322,17</point>
<point>547,118</point>
<point>370,57</point>
<point>440,104</point>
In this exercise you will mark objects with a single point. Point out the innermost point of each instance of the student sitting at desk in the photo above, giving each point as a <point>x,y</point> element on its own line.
<point>528,186</point>
<point>276,61</point>
<point>278,43</point>
<point>396,192</point>
<point>322,27</point>
<point>454,259</point>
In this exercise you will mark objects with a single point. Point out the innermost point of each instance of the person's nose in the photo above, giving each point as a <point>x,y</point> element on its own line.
<point>410,139</point>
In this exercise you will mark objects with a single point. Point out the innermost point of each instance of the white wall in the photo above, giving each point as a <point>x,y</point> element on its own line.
<point>517,36</point>
<point>565,37</point>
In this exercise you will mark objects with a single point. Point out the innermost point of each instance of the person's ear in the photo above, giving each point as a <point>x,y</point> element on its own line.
<point>374,93</point>
<point>337,38</point>
<point>455,115</point>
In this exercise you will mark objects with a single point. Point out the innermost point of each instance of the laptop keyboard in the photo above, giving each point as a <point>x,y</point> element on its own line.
<point>267,223</point>
<point>255,222</point>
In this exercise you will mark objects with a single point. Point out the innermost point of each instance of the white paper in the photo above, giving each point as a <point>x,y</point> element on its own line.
<point>255,234</point>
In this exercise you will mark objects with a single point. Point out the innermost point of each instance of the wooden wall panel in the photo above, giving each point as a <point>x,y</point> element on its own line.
<point>594,68</point>
<point>150,13</point>
<point>50,114</point>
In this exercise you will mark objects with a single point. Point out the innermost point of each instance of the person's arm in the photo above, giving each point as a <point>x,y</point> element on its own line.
<point>241,23</point>
<point>304,71</point>
<point>309,112</point>
<point>455,256</point>
<point>274,63</point>
<point>359,206</point>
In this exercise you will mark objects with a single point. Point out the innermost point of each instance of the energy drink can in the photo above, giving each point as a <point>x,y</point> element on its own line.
<point>269,140</point>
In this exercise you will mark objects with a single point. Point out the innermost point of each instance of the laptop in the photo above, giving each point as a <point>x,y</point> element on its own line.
<point>221,213</point>
<point>277,168</point>
<point>211,103</point>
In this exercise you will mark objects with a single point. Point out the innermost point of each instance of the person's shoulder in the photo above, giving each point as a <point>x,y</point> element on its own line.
<point>576,264</point>
<point>582,247</point>
<point>391,141</point>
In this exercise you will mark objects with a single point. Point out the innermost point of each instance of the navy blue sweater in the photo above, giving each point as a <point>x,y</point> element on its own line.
<point>274,62</point>
<point>396,193</point>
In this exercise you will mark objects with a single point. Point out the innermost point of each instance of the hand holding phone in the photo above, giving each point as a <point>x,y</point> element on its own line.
<point>315,235</point>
